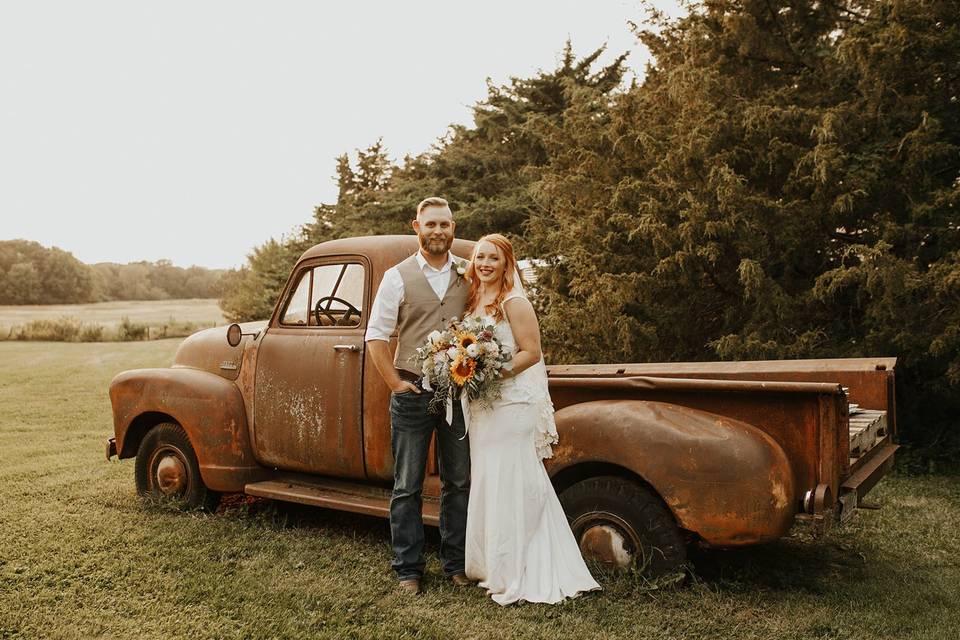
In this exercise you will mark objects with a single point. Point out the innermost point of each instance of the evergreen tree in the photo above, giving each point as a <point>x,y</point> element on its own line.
<point>783,184</point>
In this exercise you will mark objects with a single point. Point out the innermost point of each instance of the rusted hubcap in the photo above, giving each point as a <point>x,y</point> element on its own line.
<point>171,474</point>
<point>607,539</point>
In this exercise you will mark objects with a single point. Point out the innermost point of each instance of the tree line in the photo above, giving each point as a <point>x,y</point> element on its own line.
<point>33,274</point>
<point>783,183</point>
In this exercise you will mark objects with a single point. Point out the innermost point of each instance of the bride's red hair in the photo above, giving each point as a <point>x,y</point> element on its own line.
<point>506,281</point>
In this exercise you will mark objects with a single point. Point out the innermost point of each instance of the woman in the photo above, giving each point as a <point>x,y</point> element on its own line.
<point>519,544</point>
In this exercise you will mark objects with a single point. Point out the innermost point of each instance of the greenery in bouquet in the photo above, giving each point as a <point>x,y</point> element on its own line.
<point>466,357</point>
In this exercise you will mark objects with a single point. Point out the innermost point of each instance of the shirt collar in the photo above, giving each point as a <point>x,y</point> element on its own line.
<point>424,264</point>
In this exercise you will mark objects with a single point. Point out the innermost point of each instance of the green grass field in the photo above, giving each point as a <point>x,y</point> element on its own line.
<point>81,556</point>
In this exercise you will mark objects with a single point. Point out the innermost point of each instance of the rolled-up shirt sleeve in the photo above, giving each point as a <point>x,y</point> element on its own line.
<point>386,307</point>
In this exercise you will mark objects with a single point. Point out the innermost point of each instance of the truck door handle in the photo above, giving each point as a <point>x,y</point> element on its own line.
<point>346,347</point>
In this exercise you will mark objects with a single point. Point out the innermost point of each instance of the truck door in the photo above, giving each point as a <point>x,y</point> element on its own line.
<point>307,399</point>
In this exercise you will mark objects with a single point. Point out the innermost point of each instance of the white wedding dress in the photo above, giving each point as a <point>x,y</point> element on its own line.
<point>519,543</point>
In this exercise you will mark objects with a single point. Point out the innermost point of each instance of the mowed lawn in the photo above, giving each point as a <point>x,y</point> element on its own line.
<point>200,311</point>
<point>81,556</point>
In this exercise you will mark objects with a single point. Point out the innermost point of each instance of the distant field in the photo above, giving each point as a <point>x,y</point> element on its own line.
<point>81,556</point>
<point>108,321</point>
<point>108,314</point>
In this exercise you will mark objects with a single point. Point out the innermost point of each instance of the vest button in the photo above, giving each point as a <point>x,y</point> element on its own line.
<point>441,304</point>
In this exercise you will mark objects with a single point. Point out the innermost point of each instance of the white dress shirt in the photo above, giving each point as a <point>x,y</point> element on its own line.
<point>386,304</point>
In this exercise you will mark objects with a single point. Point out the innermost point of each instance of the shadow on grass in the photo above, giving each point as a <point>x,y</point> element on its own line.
<point>278,514</point>
<point>793,564</point>
<point>789,564</point>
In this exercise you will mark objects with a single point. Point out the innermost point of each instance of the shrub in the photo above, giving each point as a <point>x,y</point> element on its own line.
<point>175,329</point>
<point>91,333</point>
<point>63,329</point>
<point>129,331</point>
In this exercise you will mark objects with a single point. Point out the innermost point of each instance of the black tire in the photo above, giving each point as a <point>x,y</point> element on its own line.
<point>168,443</point>
<point>629,526</point>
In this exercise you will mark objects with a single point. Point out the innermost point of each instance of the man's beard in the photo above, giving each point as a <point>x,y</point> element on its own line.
<point>436,247</point>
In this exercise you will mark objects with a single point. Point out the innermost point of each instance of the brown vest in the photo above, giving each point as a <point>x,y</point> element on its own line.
<point>421,311</point>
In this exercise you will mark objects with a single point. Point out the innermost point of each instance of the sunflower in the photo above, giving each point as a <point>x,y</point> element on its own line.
<point>465,339</point>
<point>461,371</point>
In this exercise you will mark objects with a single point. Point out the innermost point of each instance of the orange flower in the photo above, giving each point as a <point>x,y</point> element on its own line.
<point>462,370</point>
<point>465,339</point>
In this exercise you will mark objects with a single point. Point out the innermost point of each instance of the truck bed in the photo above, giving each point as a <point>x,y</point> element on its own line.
<point>849,451</point>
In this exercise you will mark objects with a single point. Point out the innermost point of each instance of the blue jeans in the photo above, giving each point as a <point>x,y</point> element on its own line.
<point>411,427</point>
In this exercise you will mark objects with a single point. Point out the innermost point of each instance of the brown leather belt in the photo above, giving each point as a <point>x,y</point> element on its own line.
<point>408,376</point>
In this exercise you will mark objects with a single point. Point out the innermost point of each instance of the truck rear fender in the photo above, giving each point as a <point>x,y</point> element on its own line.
<point>724,480</point>
<point>208,407</point>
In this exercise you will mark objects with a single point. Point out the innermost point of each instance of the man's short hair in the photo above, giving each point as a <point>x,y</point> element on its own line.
<point>432,202</point>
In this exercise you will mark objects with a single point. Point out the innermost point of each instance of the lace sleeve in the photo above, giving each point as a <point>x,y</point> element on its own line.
<point>546,433</point>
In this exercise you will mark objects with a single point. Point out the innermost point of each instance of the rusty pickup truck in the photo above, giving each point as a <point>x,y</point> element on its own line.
<point>652,457</point>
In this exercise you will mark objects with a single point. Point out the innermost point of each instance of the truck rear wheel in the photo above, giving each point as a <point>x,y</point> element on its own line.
<point>166,466</point>
<point>624,525</point>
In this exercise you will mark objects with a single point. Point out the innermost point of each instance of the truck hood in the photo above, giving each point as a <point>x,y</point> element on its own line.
<point>208,350</point>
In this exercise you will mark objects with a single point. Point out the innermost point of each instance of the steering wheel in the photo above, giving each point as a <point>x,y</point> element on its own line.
<point>344,320</point>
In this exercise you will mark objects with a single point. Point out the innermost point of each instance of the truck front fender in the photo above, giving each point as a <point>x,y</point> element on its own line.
<point>209,408</point>
<point>725,480</point>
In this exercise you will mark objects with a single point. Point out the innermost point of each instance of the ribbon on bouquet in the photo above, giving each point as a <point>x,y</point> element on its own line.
<point>465,406</point>
<point>449,413</point>
<point>466,413</point>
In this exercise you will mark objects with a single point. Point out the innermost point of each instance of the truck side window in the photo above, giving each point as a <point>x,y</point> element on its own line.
<point>338,290</point>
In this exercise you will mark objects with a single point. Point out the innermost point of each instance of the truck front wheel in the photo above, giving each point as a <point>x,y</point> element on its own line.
<point>166,466</point>
<point>624,525</point>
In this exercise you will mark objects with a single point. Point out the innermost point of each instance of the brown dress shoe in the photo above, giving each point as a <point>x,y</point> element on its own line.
<point>411,586</point>
<point>461,580</point>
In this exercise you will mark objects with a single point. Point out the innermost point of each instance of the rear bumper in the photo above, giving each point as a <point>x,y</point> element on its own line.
<point>865,477</point>
<point>111,448</point>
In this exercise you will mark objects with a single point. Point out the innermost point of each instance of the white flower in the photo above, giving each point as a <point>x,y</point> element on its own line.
<point>493,348</point>
<point>452,353</point>
<point>461,268</point>
<point>473,350</point>
<point>438,358</point>
<point>434,336</point>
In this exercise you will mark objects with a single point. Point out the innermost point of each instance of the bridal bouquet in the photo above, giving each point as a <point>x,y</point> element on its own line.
<point>463,359</point>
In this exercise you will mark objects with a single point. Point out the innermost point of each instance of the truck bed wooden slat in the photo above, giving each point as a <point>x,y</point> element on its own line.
<point>867,427</point>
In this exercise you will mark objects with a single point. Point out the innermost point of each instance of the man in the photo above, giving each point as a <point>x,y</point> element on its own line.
<point>421,294</point>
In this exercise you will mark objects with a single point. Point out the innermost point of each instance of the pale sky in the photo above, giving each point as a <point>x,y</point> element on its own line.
<point>194,131</point>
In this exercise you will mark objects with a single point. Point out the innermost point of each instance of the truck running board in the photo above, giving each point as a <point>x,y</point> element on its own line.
<point>337,494</point>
